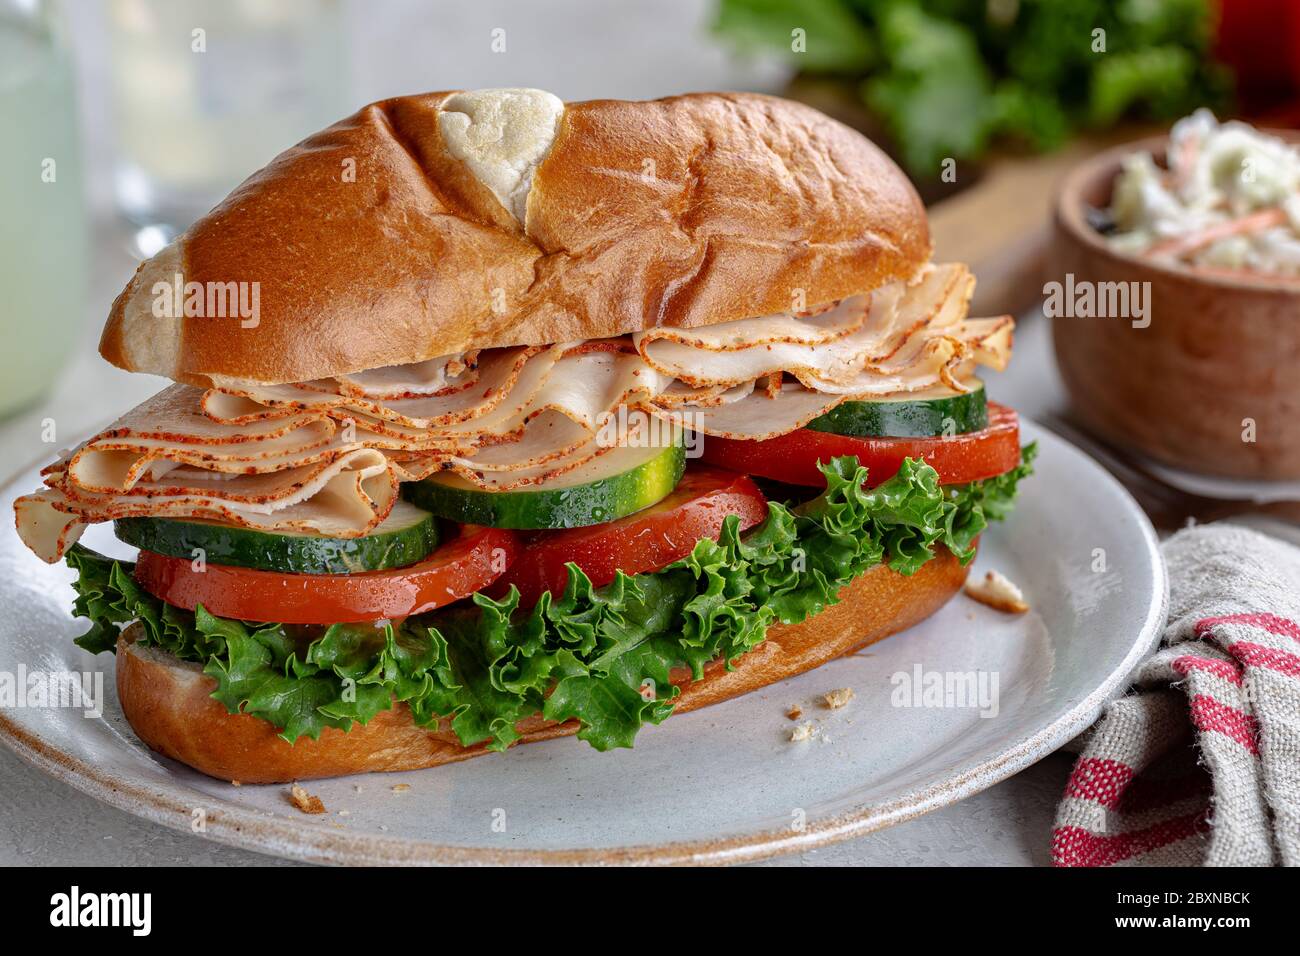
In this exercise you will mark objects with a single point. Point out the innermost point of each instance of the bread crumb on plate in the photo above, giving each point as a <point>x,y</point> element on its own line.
<point>804,731</point>
<point>795,712</point>
<point>836,699</point>
<point>304,801</point>
<point>998,592</point>
<point>401,787</point>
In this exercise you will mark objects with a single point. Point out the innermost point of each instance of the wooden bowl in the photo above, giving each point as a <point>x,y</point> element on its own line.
<point>1212,384</point>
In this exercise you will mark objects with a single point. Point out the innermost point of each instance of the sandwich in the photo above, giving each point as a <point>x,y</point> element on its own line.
<point>496,419</point>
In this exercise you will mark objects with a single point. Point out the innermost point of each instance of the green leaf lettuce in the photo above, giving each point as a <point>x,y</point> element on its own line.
<point>601,656</point>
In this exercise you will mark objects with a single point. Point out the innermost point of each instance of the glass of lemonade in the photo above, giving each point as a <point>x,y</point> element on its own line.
<point>44,243</point>
<point>204,93</point>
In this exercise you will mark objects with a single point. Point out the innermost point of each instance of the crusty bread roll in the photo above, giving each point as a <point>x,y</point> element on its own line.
<point>167,704</point>
<point>429,225</point>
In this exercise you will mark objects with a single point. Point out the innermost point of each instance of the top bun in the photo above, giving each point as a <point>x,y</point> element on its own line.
<point>434,224</point>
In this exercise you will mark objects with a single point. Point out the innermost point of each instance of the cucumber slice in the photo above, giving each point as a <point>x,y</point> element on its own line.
<point>406,536</point>
<point>923,414</point>
<point>616,484</point>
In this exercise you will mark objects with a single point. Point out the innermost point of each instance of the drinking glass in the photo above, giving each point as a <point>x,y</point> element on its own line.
<point>204,93</point>
<point>44,244</point>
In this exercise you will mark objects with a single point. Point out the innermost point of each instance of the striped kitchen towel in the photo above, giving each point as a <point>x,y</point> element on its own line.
<point>1200,763</point>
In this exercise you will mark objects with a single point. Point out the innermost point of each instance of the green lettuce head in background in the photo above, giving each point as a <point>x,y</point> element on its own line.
<point>947,78</point>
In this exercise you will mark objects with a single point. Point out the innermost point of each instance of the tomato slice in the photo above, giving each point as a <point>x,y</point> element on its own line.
<point>460,567</point>
<point>645,541</point>
<point>793,457</point>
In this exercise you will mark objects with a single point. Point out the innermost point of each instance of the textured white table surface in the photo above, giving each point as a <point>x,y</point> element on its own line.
<point>629,49</point>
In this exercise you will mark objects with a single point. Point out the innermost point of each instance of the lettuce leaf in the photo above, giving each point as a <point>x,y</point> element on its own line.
<point>601,656</point>
<point>953,78</point>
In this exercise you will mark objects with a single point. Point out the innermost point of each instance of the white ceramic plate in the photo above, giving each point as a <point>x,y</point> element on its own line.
<point>719,785</point>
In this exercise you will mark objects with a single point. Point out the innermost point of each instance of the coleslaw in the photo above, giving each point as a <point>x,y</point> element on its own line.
<point>1228,199</point>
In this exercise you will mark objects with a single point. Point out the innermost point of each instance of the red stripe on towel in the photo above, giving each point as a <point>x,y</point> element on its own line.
<point>1209,714</point>
<point>1210,665</point>
<point>1265,621</point>
<point>1075,846</point>
<point>1101,780</point>
<point>1257,655</point>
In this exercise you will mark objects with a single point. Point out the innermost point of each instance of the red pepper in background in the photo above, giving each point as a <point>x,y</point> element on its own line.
<point>1259,40</point>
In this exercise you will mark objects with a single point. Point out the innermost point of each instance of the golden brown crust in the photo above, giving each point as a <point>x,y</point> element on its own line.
<point>684,211</point>
<point>167,702</point>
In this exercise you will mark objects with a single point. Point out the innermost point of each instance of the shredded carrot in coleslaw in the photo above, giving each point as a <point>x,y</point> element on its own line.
<point>1227,201</point>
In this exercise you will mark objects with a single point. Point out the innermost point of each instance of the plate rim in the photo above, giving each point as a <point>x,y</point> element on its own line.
<point>284,837</point>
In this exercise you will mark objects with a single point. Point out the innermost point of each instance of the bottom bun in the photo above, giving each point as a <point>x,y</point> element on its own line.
<point>168,705</point>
